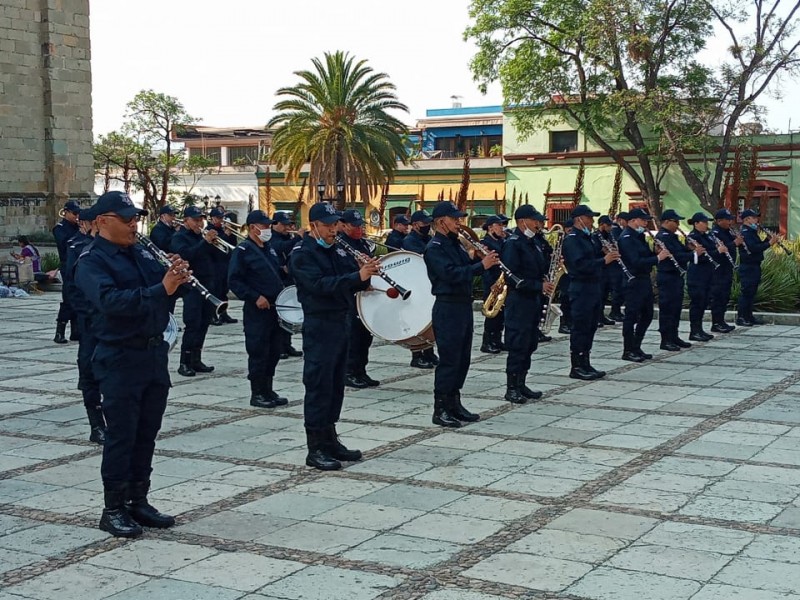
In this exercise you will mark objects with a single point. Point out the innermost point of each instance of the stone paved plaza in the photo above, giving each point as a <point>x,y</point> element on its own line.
<point>676,479</point>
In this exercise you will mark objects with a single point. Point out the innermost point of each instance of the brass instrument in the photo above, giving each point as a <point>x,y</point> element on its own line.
<point>496,299</point>
<point>695,244</point>
<point>772,234</point>
<point>470,240</point>
<point>237,230</point>
<point>550,311</point>
<point>217,242</point>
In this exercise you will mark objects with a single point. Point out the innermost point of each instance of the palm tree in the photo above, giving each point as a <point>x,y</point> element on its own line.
<point>337,119</point>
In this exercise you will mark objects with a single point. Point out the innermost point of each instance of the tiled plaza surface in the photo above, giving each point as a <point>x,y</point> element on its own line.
<point>676,479</point>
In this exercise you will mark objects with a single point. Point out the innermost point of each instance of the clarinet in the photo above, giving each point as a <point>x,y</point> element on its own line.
<point>771,234</point>
<point>609,247</point>
<point>697,244</point>
<point>362,258</point>
<point>737,233</point>
<point>661,246</point>
<point>719,242</point>
<point>161,256</point>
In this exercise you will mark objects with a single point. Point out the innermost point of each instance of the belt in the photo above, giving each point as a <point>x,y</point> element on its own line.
<point>454,298</point>
<point>139,343</point>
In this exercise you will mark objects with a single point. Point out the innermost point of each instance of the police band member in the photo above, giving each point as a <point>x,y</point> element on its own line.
<point>618,290</point>
<point>220,261</point>
<point>87,382</point>
<point>495,227</point>
<point>128,290</point>
<point>525,258</point>
<point>540,240</point>
<point>723,276</point>
<point>326,284</point>
<point>750,259</point>
<point>63,232</point>
<point>640,260</point>
<point>416,241</point>
<point>164,229</point>
<point>399,231</point>
<point>254,276</point>
<point>565,320</point>
<point>671,283</point>
<point>584,260</point>
<point>700,275</point>
<point>451,271</point>
<point>282,241</point>
<point>612,272</point>
<point>360,341</point>
<point>195,246</point>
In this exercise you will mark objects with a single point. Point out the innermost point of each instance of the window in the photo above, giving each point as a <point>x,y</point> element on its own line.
<point>563,141</point>
<point>242,155</point>
<point>767,202</point>
<point>214,152</point>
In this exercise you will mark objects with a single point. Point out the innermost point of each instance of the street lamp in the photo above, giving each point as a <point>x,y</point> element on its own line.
<point>321,191</point>
<point>217,199</point>
<point>205,202</point>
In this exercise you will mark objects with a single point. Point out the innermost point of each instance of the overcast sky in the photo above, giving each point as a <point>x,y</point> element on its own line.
<point>224,60</point>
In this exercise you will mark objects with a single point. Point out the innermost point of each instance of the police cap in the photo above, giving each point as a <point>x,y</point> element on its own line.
<point>258,217</point>
<point>421,216</point>
<point>446,209</point>
<point>117,203</point>
<point>605,220</point>
<point>352,217</point>
<point>748,213</point>
<point>698,217</point>
<point>325,212</point>
<point>724,213</point>
<point>671,215</point>
<point>583,210</point>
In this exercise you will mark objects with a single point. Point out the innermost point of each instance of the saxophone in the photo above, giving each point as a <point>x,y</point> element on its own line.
<point>496,299</point>
<point>550,311</point>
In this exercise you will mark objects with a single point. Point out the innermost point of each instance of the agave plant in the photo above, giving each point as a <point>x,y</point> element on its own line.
<point>779,290</point>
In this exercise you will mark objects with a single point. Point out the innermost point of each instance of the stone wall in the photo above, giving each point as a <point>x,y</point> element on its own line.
<point>45,112</point>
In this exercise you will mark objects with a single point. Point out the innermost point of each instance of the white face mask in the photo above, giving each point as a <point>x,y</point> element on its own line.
<point>265,235</point>
<point>529,233</point>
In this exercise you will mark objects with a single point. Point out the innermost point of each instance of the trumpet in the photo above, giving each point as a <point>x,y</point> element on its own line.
<point>696,244</point>
<point>163,258</point>
<point>394,290</point>
<point>217,242</point>
<point>469,239</point>
<point>237,230</point>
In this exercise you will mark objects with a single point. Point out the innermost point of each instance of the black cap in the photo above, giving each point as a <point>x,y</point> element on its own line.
<point>73,206</point>
<point>623,215</point>
<point>117,203</point>
<point>192,212</point>
<point>421,216</point>
<point>325,212</point>
<point>494,220</point>
<point>569,223</point>
<point>671,215</point>
<point>698,217</point>
<point>446,209</point>
<point>503,219</point>
<point>526,211</point>
<point>166,210</point>
<point>258,217</point>
<point>724,213</point>
<point>216,212</point>
<point>638,213</point>
<point>282,216</point>
<point>583,210</point>
<point>86,214</point>
<point>352,217</point>
<point>402,219</point>
<point>748,213</point>
<point>605,220</point>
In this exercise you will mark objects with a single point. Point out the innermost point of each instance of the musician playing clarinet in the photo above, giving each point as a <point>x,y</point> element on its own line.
<point>750,258</point>
<point>671,283</point>
<point>723,277</point>
<point>129,292</point>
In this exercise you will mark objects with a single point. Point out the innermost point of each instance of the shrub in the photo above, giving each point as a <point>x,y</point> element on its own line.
<point>49,262</point>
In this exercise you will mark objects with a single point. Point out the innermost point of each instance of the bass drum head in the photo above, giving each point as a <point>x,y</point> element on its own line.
<point>290,313</point>
<point>404,322</point>
<point>171,332</point>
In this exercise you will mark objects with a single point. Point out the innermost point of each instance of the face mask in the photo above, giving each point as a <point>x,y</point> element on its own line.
<point>265,235</point>
<point>529,233</point>
<point>320,241</point>
<point>640,230</point>
<point>754,226</point>
<point>357,233</point>
<point>425,230</point>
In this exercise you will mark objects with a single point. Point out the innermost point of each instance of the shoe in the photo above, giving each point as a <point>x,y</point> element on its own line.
<point>722,327</point>
<point>461,413</point>
<point>291,352</point>
<point>419,362</point>
<point>115,518</point>
<point>442,414</point>
<point>668,345</point>
<point>338,450</point>
<point>216,322</point>
<point>270,393</point>
<point>681,343</point>
<point>61,329</point>
<point>430,356</point>
<point>616,315</point>
<point>525,390</point>
<point>513,393</point>
<point>97,425</point>
<point>369,380</point>
<point>700,336</point>
<point>632,356</point>
<point>544,338</point>
<point>741,322</point>
<point>319,455</point>
<point>185,368</point>
<point>197,363</point>
<point>606,321</point>
<point>283,355</point>
<point>262,401</point>
<point>564,328</point>
<point>578,370</point>
<point>753,320</point>
<point>355,381</point>
<point>489,348</point>
<point>638,350</point>
<point>226,318</point>
<point>142,511</point>
<point>587,366</point>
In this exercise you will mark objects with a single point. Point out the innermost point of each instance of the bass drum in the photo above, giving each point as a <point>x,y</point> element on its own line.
<point>290,313</point>
<point>403,322</point>
<point>171,332</point>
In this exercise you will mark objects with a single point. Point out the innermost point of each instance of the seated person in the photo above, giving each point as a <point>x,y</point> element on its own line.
<point>30,262</point>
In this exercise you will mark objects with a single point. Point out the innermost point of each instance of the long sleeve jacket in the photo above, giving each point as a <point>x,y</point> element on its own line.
<point>450,269</point>
<point>636,254</point>
<point>253,271</point>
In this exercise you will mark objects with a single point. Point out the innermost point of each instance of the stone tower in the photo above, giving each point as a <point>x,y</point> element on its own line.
<point>45,112</point>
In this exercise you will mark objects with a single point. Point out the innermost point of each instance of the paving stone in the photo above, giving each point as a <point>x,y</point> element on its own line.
<point>94,583</point>
<point>789,517</point>
<point>287,505</point>
<point>14,559</point>
<point>453,594</point>
<point>643,498</point>
<point>536,485</point>
<point>368,516</point>
<point>731,509</point>
<point>698,537</point>
<point>673,562</point>
<point>753,490</point>
<point>775,547</point>
<point>692,466</point>
<point>527,570</point>
<point>328,583</point>
<point>391,467</point>
<point>414,497</point>
<point>761,574</point>
<point>403,551</point>
<point>151,557</point>
<point>568,545</point>
<point>607,524</point>
<point>241,571</point>
<point>176,590</point>
<point>614,584</point>
<point>10,524</point>
<point>317,537</point>
<point>50,540</point>
<point>493,509</point>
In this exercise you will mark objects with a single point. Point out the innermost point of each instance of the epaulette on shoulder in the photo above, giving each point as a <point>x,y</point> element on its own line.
<point>513,236</point>
<point>572,234</point>
<point>625,235</point>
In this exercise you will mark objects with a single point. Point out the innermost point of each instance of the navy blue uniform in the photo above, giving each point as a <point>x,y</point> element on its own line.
<point>451,271</point>
<point>161,236</point>
<point>63,232</point>
<point>360,337</point>
<point>130,312</point>
<point>750,271</point>
<point>613,277</point>
<point>492,328</point>
<point>525,258</point>
<point>584,261</point>
<point>414,242</point>
<point>723,277</point>
<point>395,240</point>
<point>326,284</point>
<point>670,284</point>
<point>617,290</point>
<point>699,277</point>
<point>282,244</point>
<point>197,313</point>
<point>221,261</point>
<point>254,272</point>
<point>640,260</point>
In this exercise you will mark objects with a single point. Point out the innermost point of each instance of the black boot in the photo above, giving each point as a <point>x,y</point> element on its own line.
<point>270,393</point>
<point>354,381</point>
<point>430,356</point>
<point>676,339</point>
<point>563,327</point>
<point>637,341</point>
<point>587,365</point>
<point>579,370</point>
<point>513,393</point>
<point>319,455</point>
<point>369,380</point>
<point>197,362</point>
<point>460,412</point>
<point>186,368</point>
<point>418,361</point>
<point>258,396</point>
<point>628,350</point>
<point>525,390</point>
<point>97,425</point>
<point>142,511</point>
<point>606,321</point>
<point>291,352</point>
<point>61,329</point>
<point>216,322</point>
<point>442,414</point>
<point>616,314</point>
<point>697,334</point>
<point>74,331</point>
<point>338,450</point>
<point>226,318</point>
<point>487,347</point>
<point>115,519</point>
<point>542,337</point>
<point>667,343</point>
<point>722,327</point>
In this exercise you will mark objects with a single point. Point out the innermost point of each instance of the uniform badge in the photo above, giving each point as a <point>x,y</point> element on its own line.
<point>146,253</point>
<point>341,252</point>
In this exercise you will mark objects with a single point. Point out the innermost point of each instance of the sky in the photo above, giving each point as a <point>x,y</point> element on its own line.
<point>225,60</point>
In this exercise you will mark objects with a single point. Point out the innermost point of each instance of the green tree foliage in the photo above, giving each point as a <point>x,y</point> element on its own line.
<point>338,120</point>
<point>626,74</point>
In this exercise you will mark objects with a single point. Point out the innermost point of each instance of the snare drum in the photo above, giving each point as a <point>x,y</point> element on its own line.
<point>403,322</point>
<point>290,313</point>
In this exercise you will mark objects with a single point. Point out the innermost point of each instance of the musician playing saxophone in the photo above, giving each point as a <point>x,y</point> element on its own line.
<point>750,267</point>
<point>671,283</point>
<point>494,239</point>
<point>524,257</point>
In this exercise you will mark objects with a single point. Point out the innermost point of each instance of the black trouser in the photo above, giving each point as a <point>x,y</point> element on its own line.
<point>638,307</point>
<point>610,282</point>
<point>286,340</point>
<point>87,382</point>
<point>452,328</point>
<point>220,286</point>
<point>261,340</point>
<point>721,291</point>
<point>670,302</point>
<point>698,284</point>
<point>197,315</point>
<point>135,385</point>
<point>522,336</point>
<point>358,349</point>
<point>585,309</point>
<point>564,299</point>
<point>618,289</point>
<point>325,341</point>
<point>749,278</point>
